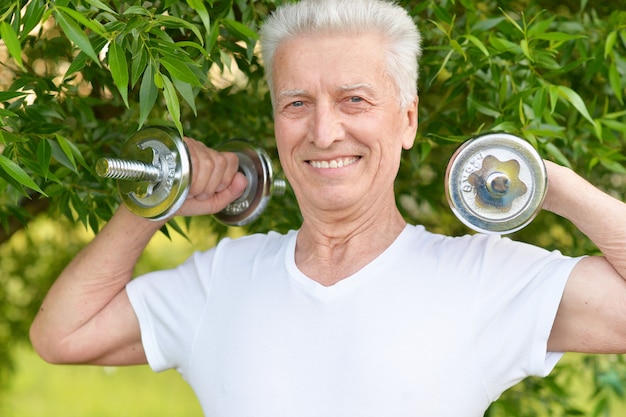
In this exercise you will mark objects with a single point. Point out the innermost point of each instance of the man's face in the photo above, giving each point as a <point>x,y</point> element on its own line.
<point>338,122</point>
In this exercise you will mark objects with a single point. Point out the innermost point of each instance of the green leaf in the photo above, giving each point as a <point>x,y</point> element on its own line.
<point>540,102</point>
<point>44,154</point>
<point>557,36</point>
<point>526,49</point>
<point>101,6</point>
<point>539,27</point>
<point>18,174</point>
<point>609,43</point>
<point>212,38</point>
<point>142,11</point>
<point>139,62</point>
<point>226,58</point>
<point>119,69</point>
<point>237,28</point>
<point>12,43</point>
<point>78,156</point>
<point>178,69</point>
<point>158,79</point>
<point>186,93</point>
<point>513,22</point>
<point>553,93</point>
<point>75,34</point>
<point>192,45</point>
<point>177,23</point>
<point>558,155</point>
<point>575,100</point>
<point>614,124</point>
<point>483,108</point>
<point>92,25</point>
<point>198,6</point>
<point>148,94</point>
<point>66,157</point>
<point>9,95</point>
<point>32,17</point>
<point>473,39</point>
<point>173,105</point>
<point>485,25</point>
<point>81,59</point>
<point>442,68</point>
<point>615,80</point>
<point>6,114</point>
<point>504,45</point>
<point>8,137</point>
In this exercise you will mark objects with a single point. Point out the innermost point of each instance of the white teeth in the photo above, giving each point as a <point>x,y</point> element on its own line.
<point>335,163</point>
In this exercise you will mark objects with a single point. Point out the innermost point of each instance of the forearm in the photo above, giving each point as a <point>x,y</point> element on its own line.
<point>599,216</point>
<point>97,275</point>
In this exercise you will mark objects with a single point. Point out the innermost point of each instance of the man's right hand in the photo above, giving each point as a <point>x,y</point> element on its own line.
<point>216,181</point>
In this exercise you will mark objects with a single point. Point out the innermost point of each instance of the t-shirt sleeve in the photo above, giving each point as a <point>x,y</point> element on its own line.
<point>520,291</point>
<point>169,305</point>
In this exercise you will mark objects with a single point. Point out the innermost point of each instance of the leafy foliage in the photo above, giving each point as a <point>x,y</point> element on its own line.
<point>78,77</point>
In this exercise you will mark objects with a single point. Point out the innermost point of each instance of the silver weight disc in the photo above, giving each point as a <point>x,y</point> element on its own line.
<point>256,165</point>
<point>164,149</point>
<point>496,183</point>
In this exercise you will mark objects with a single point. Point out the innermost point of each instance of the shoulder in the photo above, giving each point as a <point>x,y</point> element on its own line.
<point>248,248</point>
<point>477,251</point>
<point>417,237</point>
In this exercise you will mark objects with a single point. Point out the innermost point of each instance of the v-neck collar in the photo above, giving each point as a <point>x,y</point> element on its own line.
<point>374,269</point>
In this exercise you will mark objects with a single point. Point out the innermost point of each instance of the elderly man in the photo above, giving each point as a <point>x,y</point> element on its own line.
<point>356,313</point>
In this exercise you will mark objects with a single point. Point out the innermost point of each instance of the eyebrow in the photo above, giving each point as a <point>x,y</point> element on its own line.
<point>292,93</point>
<point>343,88</point>
<point>352,87</point>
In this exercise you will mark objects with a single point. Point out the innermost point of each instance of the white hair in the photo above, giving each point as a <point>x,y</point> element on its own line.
<point>351,17</point>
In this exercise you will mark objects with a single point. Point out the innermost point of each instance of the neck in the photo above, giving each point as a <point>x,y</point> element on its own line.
<point>328,252</point>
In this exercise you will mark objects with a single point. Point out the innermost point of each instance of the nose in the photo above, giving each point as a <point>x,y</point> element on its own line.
<point>327,126</point>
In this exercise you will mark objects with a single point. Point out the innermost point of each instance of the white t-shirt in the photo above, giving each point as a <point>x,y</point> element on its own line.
<point>435,326</point>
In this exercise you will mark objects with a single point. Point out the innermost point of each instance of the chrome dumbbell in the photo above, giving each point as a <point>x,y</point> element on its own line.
<point>496,183</point>
<point>154,175</point>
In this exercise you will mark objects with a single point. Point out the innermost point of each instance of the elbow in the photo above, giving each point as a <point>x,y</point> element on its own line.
<point>39,344</point>
<point>46,345</point>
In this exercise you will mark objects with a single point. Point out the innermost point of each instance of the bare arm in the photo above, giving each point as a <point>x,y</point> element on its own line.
<point>592,314</point>
<point>88,303</point>
<point>86,316</point>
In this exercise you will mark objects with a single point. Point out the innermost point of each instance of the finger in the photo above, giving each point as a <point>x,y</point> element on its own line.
<point>216,173</point>
<point>217,201</point>
<point>212,171</point>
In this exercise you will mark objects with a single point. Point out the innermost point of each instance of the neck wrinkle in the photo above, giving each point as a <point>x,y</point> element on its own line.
<point>329,252</point>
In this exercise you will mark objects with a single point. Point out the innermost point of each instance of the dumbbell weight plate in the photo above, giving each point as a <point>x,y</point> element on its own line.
<point>163,148</point>
<point>496,183</point>
<point>256,165</point>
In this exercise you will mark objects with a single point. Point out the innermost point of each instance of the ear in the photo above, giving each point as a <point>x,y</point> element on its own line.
<point>410,113</point>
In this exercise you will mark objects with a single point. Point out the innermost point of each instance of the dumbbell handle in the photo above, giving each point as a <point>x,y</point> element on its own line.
<point>125,170</point>
<point>122,169</point>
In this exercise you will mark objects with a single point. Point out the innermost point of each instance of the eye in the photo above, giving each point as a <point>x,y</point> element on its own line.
<point>355,104</point>
<point>298,103</point>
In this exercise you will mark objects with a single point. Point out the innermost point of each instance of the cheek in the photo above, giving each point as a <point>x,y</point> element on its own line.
<point>285,146</point>
<point>281,136</point>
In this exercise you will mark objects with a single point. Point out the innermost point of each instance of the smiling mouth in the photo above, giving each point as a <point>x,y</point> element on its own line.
<point>334,163</point>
